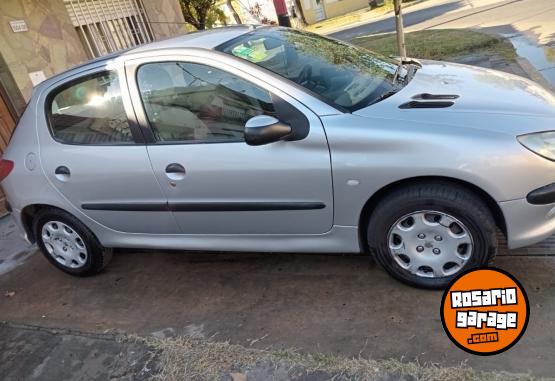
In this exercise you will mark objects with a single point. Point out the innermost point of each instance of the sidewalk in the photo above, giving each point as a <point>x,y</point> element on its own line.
<point>45,354</point>
<point>363,16</point>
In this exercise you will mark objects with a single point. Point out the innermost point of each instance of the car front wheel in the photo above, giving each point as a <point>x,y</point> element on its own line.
<point>426,234</point>
<point>68,244</point>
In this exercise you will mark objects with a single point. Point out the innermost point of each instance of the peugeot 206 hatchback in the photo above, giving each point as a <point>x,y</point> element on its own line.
<point>272,139</point>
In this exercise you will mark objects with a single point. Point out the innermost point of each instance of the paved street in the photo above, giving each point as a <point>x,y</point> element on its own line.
<point>529,24</point>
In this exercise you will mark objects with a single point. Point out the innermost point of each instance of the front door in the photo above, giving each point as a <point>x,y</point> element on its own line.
<point>214,181</point>
<point>93,155</point>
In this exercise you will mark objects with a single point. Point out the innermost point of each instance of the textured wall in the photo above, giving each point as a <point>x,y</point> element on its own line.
<point>51,44</point>
<point>166,19</point>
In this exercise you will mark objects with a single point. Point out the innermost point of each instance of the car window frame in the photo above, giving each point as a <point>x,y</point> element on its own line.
<point>133,64</point>
<point>200,141</point>
<point>55,89</point>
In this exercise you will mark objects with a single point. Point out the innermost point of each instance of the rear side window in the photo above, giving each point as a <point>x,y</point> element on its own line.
<point>89,111</point>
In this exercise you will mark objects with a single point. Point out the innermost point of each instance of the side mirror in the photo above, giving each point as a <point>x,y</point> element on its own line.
<point>264,129</point>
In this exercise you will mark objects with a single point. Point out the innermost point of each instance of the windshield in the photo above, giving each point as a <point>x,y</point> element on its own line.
<point>340,73</point>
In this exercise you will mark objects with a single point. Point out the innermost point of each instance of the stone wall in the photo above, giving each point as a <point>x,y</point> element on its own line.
<point>166,18</point>
<point>51,44</point>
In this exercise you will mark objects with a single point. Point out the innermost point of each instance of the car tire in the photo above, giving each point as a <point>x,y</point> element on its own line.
<point>68,244</point>
<point>410,227</point>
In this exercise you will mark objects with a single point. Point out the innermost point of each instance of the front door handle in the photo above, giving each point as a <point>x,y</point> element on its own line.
<point>62,173</point>
<point>175,171</point>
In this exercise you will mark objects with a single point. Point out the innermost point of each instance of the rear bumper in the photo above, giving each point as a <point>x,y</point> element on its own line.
<point>527,223</point>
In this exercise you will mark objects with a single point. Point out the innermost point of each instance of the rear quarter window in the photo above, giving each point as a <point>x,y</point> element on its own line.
<point>89,110</point>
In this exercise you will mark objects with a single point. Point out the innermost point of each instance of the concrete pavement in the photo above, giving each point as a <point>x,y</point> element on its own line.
<point>33,353</point>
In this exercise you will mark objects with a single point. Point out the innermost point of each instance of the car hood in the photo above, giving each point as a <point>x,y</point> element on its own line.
<point>485,99</point>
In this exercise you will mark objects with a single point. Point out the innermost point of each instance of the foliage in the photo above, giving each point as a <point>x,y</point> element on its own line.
<point>256,11</point>
<point>202,14</point>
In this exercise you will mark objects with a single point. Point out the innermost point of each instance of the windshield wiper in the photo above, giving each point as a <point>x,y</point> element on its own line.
<point>384,96</point>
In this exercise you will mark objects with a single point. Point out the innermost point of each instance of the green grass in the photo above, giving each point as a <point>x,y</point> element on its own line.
<point>440,44</point>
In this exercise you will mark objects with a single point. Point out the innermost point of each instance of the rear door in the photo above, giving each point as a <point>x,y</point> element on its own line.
<point>93,153</point>
<point>196,109</point>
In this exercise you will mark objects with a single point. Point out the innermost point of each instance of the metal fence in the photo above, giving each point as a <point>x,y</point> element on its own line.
<point>106,26</point>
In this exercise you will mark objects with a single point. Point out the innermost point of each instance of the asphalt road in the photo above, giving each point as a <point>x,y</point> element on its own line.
<point>534,18</point>
<point>411,17</point>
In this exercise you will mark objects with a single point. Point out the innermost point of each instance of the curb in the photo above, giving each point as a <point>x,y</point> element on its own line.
<point>534,74</point>
<point>112,336</point>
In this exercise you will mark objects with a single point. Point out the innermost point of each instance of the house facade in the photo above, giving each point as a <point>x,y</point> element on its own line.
<point>263,11</point>
<point>318,10</point>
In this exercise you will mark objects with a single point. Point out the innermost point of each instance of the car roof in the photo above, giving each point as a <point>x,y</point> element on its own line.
<point>206,39</point>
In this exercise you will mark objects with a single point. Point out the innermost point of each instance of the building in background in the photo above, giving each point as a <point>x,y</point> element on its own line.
<point>40,38</point>
<point>318,10</point>
<point>263,11</point>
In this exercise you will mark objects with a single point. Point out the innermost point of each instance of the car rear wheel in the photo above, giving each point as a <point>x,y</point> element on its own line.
<point>68,244</point>
<point>426,234</point>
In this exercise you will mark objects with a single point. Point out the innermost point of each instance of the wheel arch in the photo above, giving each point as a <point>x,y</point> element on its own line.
<point>28,214</point>
<point>374,200</point>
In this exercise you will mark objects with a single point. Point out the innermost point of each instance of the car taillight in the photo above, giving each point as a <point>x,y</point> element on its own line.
<point>6,167</point>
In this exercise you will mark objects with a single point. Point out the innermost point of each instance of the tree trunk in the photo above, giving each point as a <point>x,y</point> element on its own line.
<point>234,12</point>
<point>400,31</point>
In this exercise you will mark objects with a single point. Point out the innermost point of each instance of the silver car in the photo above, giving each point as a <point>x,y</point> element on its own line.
<point>272,139</point>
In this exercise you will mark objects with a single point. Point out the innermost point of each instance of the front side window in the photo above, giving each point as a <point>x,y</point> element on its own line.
<point>343,74</point>
<point>189,102</point>
<point>89,111</point>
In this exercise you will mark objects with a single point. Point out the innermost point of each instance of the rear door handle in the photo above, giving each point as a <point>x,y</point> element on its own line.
<point>62,170</point>
<point>175,171</point>
<point>62,173</point>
